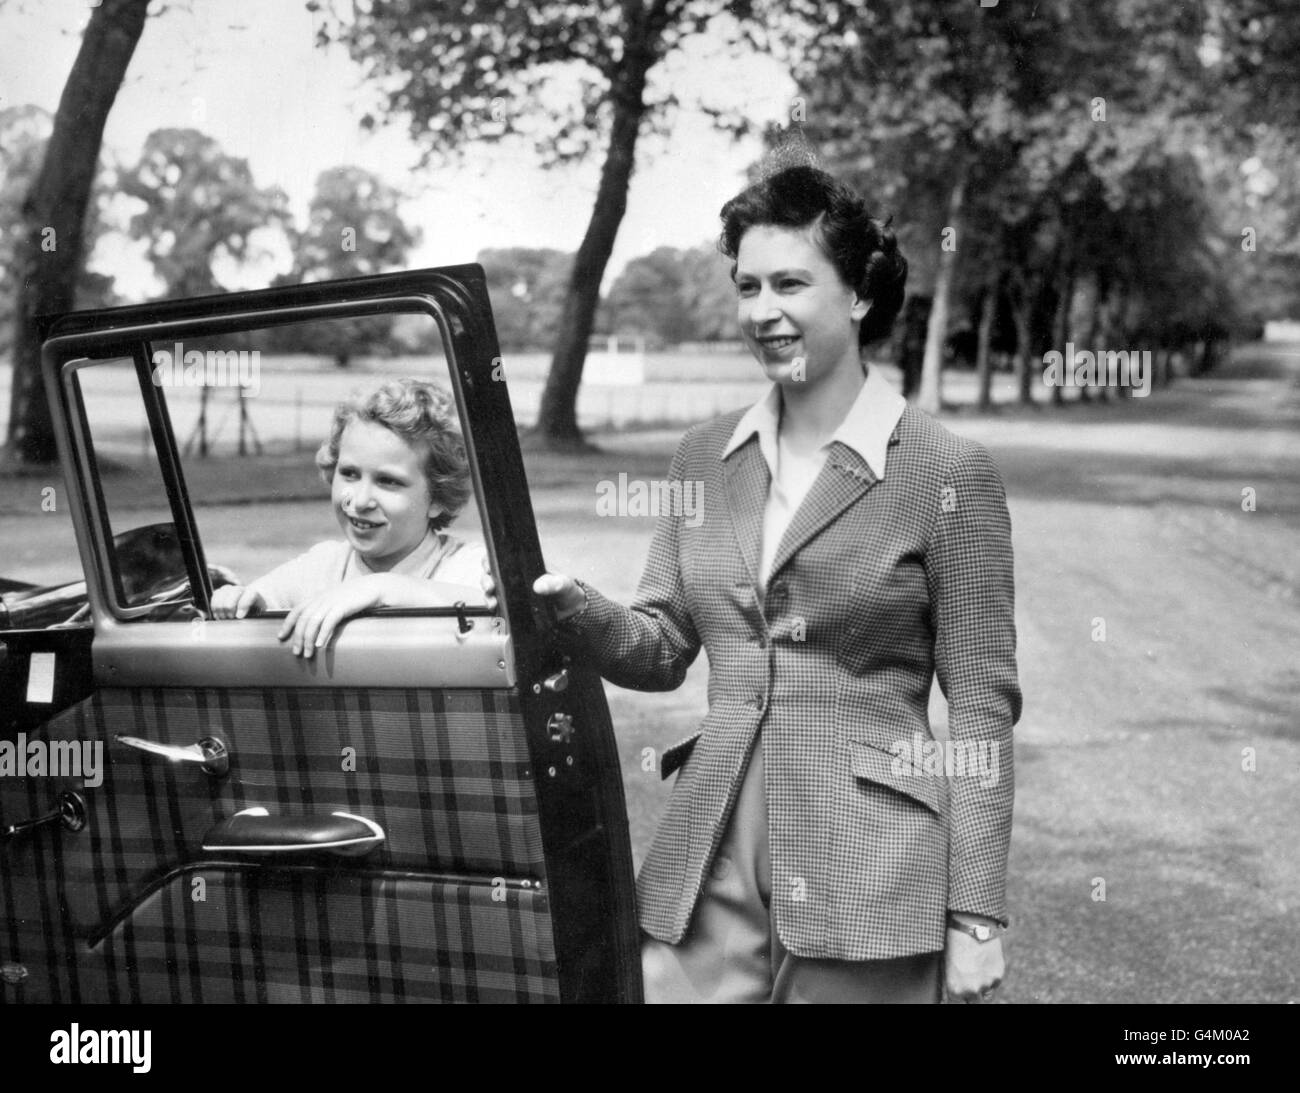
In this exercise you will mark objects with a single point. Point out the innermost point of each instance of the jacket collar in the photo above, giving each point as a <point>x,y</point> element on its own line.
<point>867,429</point>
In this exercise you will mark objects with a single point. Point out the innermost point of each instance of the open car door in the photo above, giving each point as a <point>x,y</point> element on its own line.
<point>429,810</point>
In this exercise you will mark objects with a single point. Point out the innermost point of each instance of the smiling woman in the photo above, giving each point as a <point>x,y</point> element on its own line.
<point>851,551</point>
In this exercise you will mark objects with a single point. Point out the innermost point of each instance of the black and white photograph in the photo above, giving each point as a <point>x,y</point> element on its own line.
<point>650,501</point>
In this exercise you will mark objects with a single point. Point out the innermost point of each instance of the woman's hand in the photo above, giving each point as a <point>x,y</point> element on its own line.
<point>236,601</point>
<point>973,970</point>
<point>564,593</point>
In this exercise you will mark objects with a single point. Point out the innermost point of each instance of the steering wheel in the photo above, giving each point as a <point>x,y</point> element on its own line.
<point>174,600</point>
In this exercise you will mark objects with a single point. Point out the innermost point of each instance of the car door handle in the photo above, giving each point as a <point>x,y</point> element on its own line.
<point>69,812</point>
<point>255,831</point>
<point>210,753</point>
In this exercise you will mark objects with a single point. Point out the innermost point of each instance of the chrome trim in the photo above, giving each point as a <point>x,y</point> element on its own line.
<point>419,651</point>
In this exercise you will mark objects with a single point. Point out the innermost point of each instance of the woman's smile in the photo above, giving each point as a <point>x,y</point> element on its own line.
<point>776,343</point>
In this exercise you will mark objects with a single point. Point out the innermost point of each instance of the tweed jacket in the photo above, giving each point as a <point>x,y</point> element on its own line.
<point>878,586</point>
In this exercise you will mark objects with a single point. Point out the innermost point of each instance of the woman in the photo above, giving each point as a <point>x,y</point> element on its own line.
<point>819,845</point>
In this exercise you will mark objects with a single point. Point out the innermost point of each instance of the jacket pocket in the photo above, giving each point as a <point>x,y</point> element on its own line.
<point>676,755</point>
<point>887,769</point>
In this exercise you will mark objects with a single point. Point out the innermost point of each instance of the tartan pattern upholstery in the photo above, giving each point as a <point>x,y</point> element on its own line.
<point>283,936</point>
<point>445,773</point>
<point>877,586</point>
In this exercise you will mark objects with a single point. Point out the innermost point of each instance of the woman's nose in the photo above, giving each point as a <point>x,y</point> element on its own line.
<point>766,307</point>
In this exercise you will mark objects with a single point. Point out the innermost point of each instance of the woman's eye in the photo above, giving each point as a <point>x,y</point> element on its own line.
<point>791,283</point>
<point>348,473</point>
<point>746,289</point>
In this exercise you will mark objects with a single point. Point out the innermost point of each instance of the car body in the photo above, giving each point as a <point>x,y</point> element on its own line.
<point>431,810</point>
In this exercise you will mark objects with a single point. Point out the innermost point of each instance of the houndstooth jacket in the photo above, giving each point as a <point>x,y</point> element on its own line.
<point>878,586</point>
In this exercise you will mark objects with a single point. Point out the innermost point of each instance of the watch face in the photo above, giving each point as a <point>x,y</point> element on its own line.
<point>983,933</point>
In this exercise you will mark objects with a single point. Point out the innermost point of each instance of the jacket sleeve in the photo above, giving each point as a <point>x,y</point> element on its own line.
<point>650,645</point>
<point>969,571</point>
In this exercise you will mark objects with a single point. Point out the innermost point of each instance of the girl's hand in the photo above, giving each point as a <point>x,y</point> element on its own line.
<point>311,624</point>
<point>236,601</point>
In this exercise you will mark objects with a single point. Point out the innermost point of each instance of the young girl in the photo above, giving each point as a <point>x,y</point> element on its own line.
<point>398,476</point>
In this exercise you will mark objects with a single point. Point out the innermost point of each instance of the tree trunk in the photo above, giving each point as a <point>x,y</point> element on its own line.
<point>983,364</point>
<point>931,397</point>
<point>1061,328</point>
<point>51,251</point>
<point>1021,316</point>
<point>557,422</point>
<point>911,344</point>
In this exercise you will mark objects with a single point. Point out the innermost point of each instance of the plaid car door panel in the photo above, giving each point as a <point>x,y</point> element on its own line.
<point>453,904</point>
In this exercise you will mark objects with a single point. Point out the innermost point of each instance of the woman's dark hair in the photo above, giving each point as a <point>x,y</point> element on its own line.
<point>862,249</point>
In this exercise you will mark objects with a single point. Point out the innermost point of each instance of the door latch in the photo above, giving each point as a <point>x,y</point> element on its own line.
<point>560,728</point>
<point>70,811</point>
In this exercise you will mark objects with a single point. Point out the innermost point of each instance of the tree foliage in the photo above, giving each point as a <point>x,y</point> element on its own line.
<point>200,204</point>
<point>572,77</point>
<point>52,245</point>
<point>672,296</point>
<point>527,287</point>
<point>354,229</point>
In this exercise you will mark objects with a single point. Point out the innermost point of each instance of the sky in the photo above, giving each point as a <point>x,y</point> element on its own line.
<point>249,74</point>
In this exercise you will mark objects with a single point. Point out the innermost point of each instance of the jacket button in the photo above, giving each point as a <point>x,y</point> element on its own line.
<point>759,700</point>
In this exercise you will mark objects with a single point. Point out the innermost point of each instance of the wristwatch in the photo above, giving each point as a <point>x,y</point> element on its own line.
<point>980,931</point>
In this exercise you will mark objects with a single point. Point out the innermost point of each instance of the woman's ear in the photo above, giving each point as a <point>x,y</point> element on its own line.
<point>860,307</point>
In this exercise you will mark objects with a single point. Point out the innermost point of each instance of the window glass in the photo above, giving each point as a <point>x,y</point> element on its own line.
<point>250,412</point>
<point>40,569</point>
<point>147,565</point>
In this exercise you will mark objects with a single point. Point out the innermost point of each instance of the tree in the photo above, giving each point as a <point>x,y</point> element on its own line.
<point>24,133</point>
<point>354,229</point>
<point>477,71</point>
<point>649,298</point>
<point>52,248</point>
<point>199,204</point>
<point>673,296</point>
<point>527,287</point>
<point>972,118</point>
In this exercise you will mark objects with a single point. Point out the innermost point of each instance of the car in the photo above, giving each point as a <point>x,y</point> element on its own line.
<point>430,811</point>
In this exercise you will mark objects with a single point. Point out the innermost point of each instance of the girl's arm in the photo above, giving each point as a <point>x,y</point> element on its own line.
<point>311,624</point>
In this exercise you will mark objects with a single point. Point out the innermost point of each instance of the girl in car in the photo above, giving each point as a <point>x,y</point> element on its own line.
<point>398,476</point>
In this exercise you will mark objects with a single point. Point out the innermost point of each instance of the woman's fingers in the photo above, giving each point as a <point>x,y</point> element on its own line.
<point>564,592</point>
<point>249,600</point>
<point>553,585</point>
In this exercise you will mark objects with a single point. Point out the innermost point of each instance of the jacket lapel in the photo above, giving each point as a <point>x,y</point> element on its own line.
<point>844,478</point>
<point>748,479</point>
